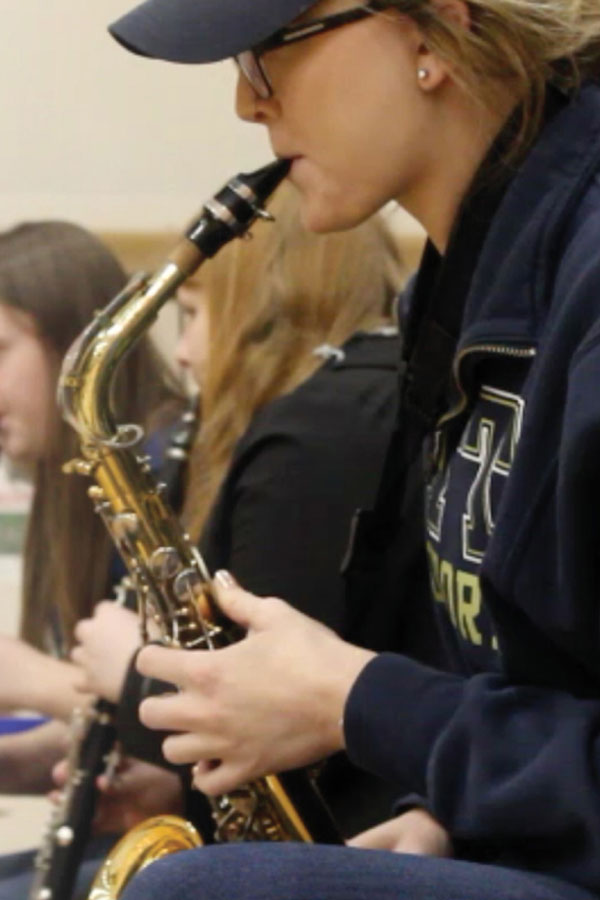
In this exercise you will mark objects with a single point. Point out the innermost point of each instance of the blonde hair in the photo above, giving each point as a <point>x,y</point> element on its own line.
<point>524,44</point>
<point>271,301</point>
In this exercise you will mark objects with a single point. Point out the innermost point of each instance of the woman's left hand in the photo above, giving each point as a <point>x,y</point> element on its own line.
<point>106,643</point>
<point>415,831</point>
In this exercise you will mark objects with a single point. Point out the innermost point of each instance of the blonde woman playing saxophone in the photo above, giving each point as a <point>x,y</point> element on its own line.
<point>482,119</point>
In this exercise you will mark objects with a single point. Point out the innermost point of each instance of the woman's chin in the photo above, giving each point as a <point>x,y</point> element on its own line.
<point>323,217</point>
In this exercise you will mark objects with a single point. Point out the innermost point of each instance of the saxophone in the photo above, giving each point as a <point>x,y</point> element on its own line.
<point>168,574</point>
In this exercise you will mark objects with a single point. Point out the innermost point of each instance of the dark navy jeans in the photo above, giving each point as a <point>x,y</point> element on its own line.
<point>312,872</point>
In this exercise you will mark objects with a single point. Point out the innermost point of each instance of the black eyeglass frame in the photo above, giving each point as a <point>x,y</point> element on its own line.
<point>249,61</point>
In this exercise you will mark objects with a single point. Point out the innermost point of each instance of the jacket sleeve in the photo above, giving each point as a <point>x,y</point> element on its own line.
<point>511,771</point>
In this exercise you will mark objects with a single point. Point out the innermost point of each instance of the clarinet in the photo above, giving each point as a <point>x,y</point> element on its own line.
<point>92,752</point>
<point>92,746</point>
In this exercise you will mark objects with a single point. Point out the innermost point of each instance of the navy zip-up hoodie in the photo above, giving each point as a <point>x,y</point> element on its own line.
<point>509,760</point>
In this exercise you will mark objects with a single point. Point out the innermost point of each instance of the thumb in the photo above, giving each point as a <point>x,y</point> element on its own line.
<point>238,605</point>
<point>60,773</point>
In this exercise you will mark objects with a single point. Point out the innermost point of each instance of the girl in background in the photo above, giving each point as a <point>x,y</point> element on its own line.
<point>53,277</point>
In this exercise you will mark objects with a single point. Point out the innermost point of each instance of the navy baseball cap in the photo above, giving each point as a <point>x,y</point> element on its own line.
<point>202,31</point>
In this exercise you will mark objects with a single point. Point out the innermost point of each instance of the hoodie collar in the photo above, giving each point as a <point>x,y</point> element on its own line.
<point>510,286</point>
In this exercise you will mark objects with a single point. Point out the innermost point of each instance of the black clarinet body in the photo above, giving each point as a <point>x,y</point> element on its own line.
<point>68,831</point>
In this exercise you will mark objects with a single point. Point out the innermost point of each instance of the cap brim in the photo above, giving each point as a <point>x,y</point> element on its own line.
<point>202,31</point>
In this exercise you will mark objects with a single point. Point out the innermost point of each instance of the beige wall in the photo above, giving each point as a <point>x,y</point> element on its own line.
<point>95,134</point>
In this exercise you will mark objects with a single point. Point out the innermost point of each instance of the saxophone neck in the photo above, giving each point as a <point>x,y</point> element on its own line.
<point>85,382</point>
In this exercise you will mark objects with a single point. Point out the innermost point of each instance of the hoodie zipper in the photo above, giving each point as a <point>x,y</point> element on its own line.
<point>494,349</point>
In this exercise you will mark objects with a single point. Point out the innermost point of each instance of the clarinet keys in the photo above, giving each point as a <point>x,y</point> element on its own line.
<point>64,836</point>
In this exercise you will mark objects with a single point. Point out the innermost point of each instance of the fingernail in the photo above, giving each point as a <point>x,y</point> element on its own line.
<point>225,579</point>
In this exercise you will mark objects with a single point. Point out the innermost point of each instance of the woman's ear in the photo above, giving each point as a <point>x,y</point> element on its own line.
<point>432,70</point>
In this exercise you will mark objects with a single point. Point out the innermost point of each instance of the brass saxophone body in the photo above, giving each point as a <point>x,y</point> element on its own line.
<point>144,844</point>
<point>166,570</point>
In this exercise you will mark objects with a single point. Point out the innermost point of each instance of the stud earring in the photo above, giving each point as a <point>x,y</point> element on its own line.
<point>422,74</point>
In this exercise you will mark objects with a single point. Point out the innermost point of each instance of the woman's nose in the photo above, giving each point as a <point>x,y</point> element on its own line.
<point>249,106</point>
<point>182,356</point>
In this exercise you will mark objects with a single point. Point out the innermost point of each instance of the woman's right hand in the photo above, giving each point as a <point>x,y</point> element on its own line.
<point>106,643</point>
<point>270,702</point>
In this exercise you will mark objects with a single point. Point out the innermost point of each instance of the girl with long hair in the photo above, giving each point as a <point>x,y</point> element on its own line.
<point>482,119</point>
<point>53,277</point>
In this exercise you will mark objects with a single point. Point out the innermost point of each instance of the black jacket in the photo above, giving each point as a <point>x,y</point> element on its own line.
<point>308,460</point>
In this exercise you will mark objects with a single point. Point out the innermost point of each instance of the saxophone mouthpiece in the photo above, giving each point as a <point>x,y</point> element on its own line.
<point>231,212</point>
<point>264,181</point>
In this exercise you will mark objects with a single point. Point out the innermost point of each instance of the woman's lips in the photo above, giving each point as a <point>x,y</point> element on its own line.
<point>289,156</point>
<point>296,162</point>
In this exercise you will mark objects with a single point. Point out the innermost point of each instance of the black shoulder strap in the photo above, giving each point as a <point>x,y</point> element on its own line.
<point>428,350</point>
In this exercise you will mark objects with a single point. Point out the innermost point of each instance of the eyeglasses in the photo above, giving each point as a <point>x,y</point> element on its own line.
<point>250,62</point>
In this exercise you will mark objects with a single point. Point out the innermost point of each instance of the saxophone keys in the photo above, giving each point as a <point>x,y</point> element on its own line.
<point>264,214</point>
<point>124,525</point>
<point>164,562</point>
<point>79,467</point>
<point>188,584</point>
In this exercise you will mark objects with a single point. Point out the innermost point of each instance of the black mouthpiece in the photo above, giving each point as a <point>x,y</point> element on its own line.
<point>264,181</point>
<point>235,207</point>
